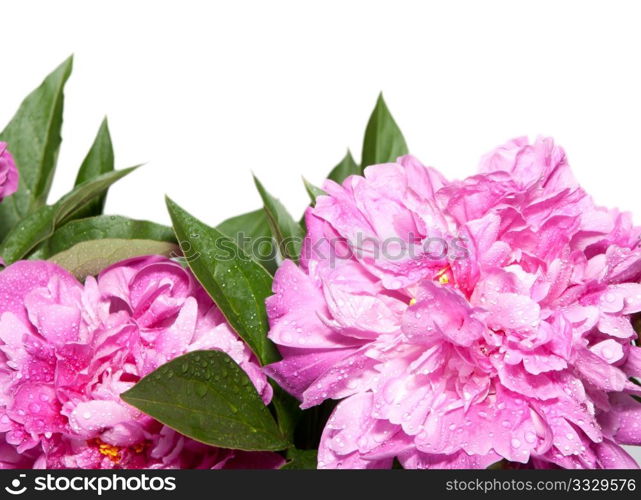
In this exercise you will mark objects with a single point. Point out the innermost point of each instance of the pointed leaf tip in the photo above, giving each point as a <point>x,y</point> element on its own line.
<point>99,160</point>
<point>383,141</point>
<point>346,167</point>
<point>236,283</point>
<point>210,399</point>
<point>288,233</point>
<point>33,135</point>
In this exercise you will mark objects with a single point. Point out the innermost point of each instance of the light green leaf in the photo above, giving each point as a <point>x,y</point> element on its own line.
<point>88,258</point>
<point>99,228</point>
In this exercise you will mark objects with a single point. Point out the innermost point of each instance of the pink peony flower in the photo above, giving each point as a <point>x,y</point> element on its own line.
<point>465,322</point>
<point>69,350</point>
<point>8,172</point>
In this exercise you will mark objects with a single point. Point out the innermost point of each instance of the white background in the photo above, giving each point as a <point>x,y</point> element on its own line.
<point>206,92</point>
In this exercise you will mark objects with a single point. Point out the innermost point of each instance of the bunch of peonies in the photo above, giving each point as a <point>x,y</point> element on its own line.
<point>69,350</point>
<point>8,173</point>
<point>462,323</point>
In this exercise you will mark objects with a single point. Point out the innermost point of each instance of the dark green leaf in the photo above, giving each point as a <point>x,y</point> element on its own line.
<point>206,396</point>
<point>41,224</point>
<point>88,258</point>
<point>344,169</point>
<point>98,161</point>
<point>383,141</point>
<point>288,233</point>
<point>313,191</point>
<point>252,233</point>
<point>73,202</point>
<point>288,411</point>
<point>301,459</point>
<point>102,227</point>
<point>33,137</point>
<point>237,284</point>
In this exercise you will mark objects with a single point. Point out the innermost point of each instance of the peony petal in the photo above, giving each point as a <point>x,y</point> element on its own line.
<point>292,324</point>
<point>612,456</point>
<point>19,279</point>
<point>91,418</point>
<point>300,367</point>
<point>349,426</point>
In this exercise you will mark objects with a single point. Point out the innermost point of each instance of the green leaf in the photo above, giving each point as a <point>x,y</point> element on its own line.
<point>236,283</point>
<point>102,227</point>
<point>288,233</point>
<point>206,396</point>
<point>344,169</point>
<point>41,224</point>
<point>301,459</point>
<point>313,191</point>
<point>88,258</point>
<point>252,233</point>
<point>383,141</point>
<point>98,161</point>
<point>287,409</point>
<point>33,137</point>
<point>77,199</point>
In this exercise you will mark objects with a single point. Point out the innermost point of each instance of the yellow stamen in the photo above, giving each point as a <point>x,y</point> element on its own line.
<point>442,276</point>
<point>109,451</point>
<point>139,448</point>
<point>412,301</point>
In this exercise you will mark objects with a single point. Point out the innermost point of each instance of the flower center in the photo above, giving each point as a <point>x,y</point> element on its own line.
<point>443,276</point>
<point>110,451</point>
<point>114,453</point>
